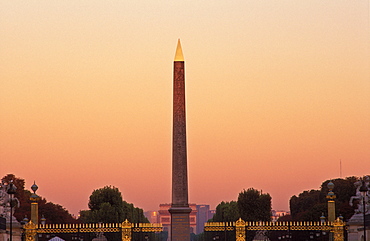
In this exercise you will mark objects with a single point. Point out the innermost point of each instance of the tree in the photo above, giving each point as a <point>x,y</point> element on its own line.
<point>310,205</point>
<point>226,212</point>
<point>254,205</point>
<point>53,213</point>
<point>300,206</point>
<point>21,194</point>
<point>106,205</point>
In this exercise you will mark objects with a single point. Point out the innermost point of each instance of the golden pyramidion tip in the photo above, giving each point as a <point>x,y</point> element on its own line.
<point>179,56</point>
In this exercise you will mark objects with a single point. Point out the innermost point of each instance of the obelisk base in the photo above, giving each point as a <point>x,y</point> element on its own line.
<point>180,223</point>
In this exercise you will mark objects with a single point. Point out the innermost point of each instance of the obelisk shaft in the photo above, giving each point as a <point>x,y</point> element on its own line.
<point>180,225</point>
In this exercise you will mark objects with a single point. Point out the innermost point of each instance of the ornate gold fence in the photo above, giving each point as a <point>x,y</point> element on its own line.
<point>125,228</point>
<point>240,227</point>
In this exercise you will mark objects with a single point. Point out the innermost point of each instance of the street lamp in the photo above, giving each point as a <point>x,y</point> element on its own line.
<point>43,220</point>
<point>363,190</point>
<point>322,221</point>
<point>11,191</point>
<point>23,222</point>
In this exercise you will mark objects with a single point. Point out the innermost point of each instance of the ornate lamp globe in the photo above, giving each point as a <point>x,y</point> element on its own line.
<point>330,194</point>
<point>363,188</point>
<point>34,197</point>
<point>34,187</point>
<point>11,188</point>
<point>330,186</point>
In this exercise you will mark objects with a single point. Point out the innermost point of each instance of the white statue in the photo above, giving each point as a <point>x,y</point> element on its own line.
<point>5,202</point>
<point>360,198</point>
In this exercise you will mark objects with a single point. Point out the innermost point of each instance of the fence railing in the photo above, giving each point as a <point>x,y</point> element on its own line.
<point>240,227</point>
<point>125,228</point>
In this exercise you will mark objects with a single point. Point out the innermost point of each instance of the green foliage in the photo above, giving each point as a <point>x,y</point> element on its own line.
<point>54,213</point>
<point>310,205</point>
<point>254,205</point>
<point>107,206</point>
<point>304,202</point>
<point>103,195</point>
<point>226,212</point>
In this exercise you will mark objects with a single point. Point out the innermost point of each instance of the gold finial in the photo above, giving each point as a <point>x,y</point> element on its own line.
<point>179,56</point>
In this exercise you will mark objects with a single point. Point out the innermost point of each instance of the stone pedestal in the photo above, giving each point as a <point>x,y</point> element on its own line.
<point>17,232</point>
<point>356,227</point>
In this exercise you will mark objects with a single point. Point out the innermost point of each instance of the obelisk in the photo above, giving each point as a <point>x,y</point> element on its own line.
<point>180,225</point>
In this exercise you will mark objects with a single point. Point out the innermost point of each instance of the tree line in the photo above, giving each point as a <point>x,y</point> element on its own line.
<point>310,205</point>
<point>105,205</point>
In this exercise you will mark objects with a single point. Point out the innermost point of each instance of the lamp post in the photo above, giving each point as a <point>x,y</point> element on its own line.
<point>331,207</point>
<point>322,221</point>
<point>363,190</point>
<point>11,191</point>
<point>23,222</point>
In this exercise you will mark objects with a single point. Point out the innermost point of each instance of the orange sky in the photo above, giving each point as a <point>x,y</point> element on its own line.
<point>277,95</point>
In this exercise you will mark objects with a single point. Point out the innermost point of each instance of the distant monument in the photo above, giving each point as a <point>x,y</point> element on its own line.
<point>180,225</point>
<point>356,222</point>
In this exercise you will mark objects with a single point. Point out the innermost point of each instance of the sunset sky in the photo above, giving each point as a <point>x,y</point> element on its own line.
<point>278,94</point>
